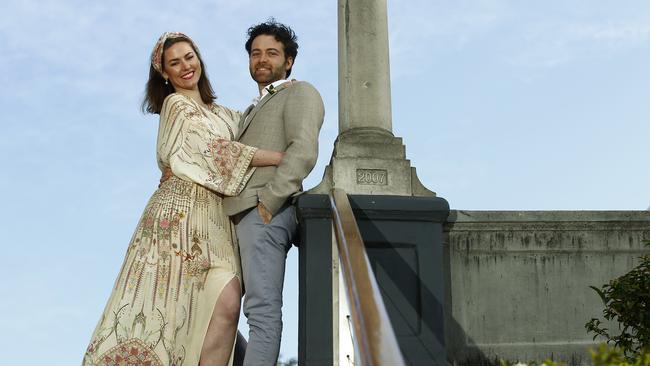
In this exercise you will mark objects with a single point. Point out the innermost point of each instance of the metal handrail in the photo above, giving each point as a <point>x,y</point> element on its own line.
<point>374,342</point>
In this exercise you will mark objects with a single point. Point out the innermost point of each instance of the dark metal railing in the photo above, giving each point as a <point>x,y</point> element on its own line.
<point>374,339</point>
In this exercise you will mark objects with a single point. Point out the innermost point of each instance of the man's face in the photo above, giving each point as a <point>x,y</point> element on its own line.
<point>267,62</point>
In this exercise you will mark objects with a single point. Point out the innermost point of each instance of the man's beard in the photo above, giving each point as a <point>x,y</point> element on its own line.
<point>268,77</point>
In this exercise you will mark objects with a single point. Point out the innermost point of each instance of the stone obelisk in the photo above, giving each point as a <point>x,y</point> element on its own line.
<point>367,158</point>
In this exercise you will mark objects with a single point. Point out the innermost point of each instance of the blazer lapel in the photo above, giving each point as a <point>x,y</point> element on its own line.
<point>250,113</point>
<point>242,119</point>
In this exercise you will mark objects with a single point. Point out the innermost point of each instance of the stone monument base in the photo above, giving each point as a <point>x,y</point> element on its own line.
<point>371,161</point>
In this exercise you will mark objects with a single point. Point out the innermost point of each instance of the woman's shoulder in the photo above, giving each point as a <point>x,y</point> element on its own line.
<point>176,99</point>
<point>177,104</point>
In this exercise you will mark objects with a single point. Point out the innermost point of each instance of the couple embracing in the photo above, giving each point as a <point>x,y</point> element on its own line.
<point>222,220</point>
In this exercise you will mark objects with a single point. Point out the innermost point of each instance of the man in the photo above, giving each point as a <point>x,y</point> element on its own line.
<point>287,117</point>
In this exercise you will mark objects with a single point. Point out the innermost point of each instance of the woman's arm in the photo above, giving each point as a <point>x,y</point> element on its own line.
<point>260,158</point>
<point>266,158</point>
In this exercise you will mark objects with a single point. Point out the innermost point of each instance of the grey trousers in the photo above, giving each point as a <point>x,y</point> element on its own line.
<point>263,250</point>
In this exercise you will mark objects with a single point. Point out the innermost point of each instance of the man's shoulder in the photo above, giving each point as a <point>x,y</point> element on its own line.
<point>303,89</point>
<point>299,85</point>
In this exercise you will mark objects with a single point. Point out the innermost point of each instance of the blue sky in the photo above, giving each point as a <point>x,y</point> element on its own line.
<point>502,105</point>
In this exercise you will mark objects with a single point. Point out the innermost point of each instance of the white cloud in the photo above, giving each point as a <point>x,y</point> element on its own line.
<point>531,38</point>
<point>425,29</point>
<point>546,43</point>
<point>630,33</point>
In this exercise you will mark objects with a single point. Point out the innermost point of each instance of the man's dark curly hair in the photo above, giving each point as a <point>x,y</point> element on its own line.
<point>282,33</point>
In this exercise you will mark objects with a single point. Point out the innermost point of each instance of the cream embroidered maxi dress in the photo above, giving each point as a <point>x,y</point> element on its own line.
<point>183,251</point>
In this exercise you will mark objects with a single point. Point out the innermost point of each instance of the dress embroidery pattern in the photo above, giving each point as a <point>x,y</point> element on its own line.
<point>133,352</point>
<point>183,250</point>
<point>228,156</point>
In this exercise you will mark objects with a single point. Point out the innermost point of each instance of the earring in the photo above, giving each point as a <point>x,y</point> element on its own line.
<point>166,82</point>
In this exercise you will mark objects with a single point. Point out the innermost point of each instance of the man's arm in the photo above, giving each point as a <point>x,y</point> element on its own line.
<point>303,118</point>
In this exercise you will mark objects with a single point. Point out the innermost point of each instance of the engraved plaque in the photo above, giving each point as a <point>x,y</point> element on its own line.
<point>375,177</point>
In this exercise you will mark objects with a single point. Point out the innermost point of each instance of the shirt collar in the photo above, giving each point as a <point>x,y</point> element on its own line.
<point>265,91</point>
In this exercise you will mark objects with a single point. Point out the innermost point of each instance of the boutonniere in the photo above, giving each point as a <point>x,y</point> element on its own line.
<point>272,90</point>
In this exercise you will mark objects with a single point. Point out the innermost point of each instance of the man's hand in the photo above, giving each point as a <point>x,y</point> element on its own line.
<point>165,176</point>
<point>264,213</point>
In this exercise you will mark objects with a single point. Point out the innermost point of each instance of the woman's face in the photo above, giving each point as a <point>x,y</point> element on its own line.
<point>182,66</point>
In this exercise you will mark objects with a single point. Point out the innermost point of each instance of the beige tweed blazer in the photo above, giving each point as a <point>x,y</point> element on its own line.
<point>288,120</point>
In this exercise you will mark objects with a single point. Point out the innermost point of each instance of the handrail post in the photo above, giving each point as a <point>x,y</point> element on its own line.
<point>375,339</point>
<point>403,241</point>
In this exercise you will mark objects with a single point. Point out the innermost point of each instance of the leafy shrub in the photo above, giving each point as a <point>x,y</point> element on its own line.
<point>602,356</point>
<point>548,362</point>
<point>627,301</point>
<point>605,356</point>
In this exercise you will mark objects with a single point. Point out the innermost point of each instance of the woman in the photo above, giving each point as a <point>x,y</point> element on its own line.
<point>176,299</point>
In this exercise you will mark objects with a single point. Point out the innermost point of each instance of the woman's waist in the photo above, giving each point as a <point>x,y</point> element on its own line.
<point>176,186</point>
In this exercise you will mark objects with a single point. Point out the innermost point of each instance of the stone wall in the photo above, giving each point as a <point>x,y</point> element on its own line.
<point>518,281</point>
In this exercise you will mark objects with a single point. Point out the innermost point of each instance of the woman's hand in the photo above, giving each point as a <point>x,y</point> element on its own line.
<point>279,157</point>
<point>167,173</point>
<point>267,158</point>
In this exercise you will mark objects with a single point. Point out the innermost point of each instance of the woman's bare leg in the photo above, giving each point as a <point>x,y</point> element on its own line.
<point>222,329</point>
